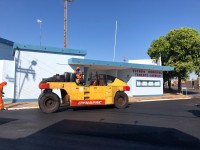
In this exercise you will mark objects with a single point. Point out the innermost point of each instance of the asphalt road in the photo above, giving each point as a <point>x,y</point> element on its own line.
<point>143,125</point>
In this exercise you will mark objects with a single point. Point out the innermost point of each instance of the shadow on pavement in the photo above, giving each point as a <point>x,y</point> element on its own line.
<point>65,108</point>
<point>195,112</point>
<point>6,120</point>
<point>70,134</point>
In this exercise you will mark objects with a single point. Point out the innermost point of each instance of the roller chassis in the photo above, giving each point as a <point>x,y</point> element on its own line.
<point>108,90</point>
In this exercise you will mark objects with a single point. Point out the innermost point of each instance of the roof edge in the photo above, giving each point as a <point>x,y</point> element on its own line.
<point>7,42</point>
<point>78,61</point>
<point>47,49</point>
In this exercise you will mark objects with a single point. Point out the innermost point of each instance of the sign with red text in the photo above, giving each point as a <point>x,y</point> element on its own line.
<point>147,73</point>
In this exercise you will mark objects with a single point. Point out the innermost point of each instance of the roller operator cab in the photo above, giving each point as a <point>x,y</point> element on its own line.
<point>99,90</point>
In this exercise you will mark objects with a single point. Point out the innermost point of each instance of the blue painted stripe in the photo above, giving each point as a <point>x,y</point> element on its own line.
<point>19,100</point>
<point>7,100</point>
<point>77,61</point>
<point>26,100</point>
<point>36,48</point>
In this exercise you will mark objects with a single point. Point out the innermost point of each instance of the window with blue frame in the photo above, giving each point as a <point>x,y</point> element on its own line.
<point>148,83</point>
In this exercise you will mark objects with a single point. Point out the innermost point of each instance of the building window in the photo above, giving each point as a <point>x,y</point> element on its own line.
<point>148,83</point>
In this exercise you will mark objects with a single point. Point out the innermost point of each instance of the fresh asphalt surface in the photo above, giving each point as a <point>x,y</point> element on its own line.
<point>158,125</point>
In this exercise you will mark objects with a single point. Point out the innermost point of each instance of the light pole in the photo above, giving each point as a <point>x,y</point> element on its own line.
<point>40,26</point>
<point>115,41</point>
<point>65,22</point>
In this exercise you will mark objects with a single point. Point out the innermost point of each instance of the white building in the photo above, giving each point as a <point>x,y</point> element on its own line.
<point>143,79</point>
<point>24,66</point>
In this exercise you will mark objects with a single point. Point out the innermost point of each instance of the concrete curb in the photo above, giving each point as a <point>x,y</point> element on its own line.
<point>163,99</point>
<point>22,108</point>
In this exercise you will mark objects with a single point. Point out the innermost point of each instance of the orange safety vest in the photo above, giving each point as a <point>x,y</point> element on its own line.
<point>1,94</point>
<point>2,85</point>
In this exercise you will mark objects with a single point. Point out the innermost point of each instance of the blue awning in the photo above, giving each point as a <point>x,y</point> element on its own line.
<point>115,65</point>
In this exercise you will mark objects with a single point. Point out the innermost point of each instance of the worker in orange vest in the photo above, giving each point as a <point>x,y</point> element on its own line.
<point>1,94</point>
<point>79,75</point>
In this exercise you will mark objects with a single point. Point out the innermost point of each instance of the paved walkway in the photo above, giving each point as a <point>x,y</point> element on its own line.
<point>20,105</point>
<point>166,96</point>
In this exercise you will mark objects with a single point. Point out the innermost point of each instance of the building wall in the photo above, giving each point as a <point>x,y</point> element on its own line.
<point>143,82</point>
<point>32,67</point>
<point>7,69</point>
<point>1,70</point>
<point>6,52</point>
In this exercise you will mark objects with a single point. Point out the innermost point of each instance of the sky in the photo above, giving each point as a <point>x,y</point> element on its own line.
<point>92,24</point>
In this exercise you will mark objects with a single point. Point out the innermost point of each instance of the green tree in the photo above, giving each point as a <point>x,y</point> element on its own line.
<point>180,48</point>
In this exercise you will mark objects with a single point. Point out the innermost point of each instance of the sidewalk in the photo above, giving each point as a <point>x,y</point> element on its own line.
<point>166,96</point>
<point>20,105</point>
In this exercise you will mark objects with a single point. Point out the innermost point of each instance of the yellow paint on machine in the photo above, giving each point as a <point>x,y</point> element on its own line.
<point>77,92</point>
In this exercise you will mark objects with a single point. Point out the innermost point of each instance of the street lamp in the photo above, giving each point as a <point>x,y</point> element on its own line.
<point>39,21</point>
<point>65,22</point>
<point>115,41</point>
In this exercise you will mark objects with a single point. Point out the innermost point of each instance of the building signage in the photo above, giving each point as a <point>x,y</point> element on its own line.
<point>147,73</point>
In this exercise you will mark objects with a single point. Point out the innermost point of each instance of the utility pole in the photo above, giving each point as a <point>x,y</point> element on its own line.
<point>65,23</point>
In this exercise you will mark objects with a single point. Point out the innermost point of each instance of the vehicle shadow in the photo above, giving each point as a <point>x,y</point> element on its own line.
<point>72,134</point>
<point>65,107</point>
